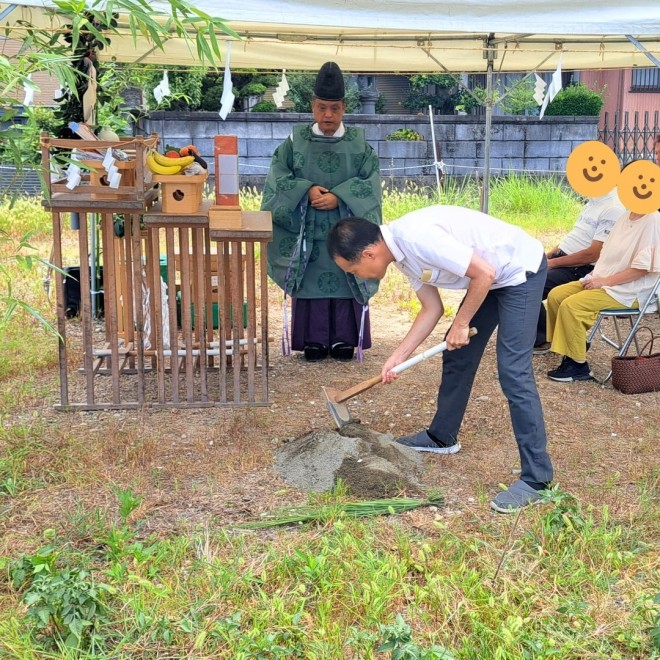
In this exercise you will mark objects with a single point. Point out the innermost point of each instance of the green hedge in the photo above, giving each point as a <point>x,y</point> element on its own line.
<point>576,100</point>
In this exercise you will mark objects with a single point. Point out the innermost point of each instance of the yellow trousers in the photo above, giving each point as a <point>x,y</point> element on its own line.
<point>572,311</point>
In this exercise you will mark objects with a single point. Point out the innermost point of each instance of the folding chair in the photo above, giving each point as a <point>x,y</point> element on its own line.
<point>634,317</point>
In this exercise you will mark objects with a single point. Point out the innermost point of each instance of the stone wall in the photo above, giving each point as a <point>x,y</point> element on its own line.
<point>517,143</point>
<point>521,144</point>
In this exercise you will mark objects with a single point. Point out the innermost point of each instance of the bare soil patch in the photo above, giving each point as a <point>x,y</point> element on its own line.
<point>371,464</point>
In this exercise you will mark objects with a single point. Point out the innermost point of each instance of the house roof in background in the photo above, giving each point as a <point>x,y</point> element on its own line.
<point>403,36</point>
<point>48,85</point>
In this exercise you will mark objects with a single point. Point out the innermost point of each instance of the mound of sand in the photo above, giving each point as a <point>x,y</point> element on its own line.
<point>371,464</point>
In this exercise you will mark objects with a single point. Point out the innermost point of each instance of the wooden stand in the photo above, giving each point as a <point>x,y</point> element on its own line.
<point>220,354</point>
<point>252,241</point>
<point>127,363</point>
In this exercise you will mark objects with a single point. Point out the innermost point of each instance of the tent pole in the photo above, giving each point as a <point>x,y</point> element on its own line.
<point>490,54</point>
<point>435,151</point>
<point>644,50</point>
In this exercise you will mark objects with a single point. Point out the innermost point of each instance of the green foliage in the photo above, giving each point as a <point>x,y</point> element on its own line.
<point>252,89</point>
<point>380,105</point>
<point>397,639</point>
<point>576,100</point>
<point>520,99</point>
<point>14,459</point>
<point>654,620</point>
<point>26,137</point>
<point>470,101</point>
<point>301,92</point>
<point>203,90</point>
<point>382,507</point>
<point>65,603</point>
<point>20,252</point>
<point>264,106</point>
<point>420,96</point>
<point>128,502</point>
<point>17,147</point>
<point>115,79</point>
<point>211,98</point>
<point>185,87</point>
<point>404,134</point>
<point>422,80</point>
<point>538,204</point>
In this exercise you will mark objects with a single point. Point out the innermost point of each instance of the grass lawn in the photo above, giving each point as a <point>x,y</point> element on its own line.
<point>118,534</point>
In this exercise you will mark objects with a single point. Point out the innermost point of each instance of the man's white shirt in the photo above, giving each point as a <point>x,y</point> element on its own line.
<point>435,245</point>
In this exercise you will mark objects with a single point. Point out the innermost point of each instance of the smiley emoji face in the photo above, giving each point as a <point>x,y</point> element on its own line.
<point>592,169</point>
<point>639,186</point>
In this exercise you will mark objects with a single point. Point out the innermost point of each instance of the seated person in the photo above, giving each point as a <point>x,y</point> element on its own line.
<point>623,276</point>
<point>577,252</point>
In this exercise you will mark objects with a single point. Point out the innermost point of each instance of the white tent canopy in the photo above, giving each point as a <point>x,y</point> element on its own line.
<point>405,35</point>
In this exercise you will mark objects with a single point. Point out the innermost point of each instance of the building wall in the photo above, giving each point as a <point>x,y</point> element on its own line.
<point>617,94</point>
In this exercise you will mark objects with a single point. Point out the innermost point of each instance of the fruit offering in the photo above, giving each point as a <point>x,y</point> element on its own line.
<point>191,150</point>
<point>160,164</point>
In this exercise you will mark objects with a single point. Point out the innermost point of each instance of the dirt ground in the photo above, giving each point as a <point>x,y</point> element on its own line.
<point>192,466</point>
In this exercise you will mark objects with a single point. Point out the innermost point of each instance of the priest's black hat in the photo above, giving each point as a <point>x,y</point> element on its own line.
<point>329,85</point>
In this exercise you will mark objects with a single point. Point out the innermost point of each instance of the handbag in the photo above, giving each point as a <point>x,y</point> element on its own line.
<point>637,374</point>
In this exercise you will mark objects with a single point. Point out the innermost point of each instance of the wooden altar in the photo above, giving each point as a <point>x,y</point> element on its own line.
<point>185,300</point>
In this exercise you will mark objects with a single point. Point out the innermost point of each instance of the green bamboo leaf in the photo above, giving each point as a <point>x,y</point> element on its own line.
<point>132,26</point>
<point>214,42</point>
<point>221,26</point>
<point>78,22</point>
<point>203,49</point>
<point>37,315</point>
<point>9,312</point>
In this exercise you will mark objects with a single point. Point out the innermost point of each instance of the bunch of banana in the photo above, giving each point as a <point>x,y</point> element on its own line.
<point>160,164</point>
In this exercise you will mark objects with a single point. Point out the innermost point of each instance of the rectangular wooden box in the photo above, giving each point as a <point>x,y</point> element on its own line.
<point>225,217</point>
<point>135,191</point>
<point>180,194</point>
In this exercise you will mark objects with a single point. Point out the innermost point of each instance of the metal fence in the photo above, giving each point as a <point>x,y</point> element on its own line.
<point>631,135</point>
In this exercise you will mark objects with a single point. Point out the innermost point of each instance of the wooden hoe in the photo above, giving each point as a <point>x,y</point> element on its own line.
<point>336,399</point>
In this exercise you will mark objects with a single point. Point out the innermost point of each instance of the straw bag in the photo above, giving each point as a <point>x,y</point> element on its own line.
<point>639,374</point>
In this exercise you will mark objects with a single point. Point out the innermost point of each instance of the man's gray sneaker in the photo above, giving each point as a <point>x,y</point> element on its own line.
<point>518,495</point>
<point>422,442</point>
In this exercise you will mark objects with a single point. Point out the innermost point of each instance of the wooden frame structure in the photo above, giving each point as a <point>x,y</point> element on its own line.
<point>192,332</point>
